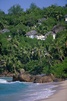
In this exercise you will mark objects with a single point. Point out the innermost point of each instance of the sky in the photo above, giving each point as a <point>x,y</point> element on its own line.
<point>6,4</point>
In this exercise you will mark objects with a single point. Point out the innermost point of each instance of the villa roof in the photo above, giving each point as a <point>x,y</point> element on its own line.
<point>57,28</point>
<point>4,30</point>
<point>42,19</point>
<point>32,32</point>
<point>66,15</point>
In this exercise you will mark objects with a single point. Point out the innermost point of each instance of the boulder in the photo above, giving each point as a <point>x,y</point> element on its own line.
<point>38,79</point>
<point>43,79</point>
<point>24,77</point>
<point>32,78</point>
<point>15,78</point>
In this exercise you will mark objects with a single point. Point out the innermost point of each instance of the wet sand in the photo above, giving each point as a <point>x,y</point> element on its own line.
<point>60,95</point>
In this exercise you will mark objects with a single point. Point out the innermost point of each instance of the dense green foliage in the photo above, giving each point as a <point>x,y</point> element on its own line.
<point>35,56</point>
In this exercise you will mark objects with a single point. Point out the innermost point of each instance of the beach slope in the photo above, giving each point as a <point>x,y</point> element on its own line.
<point>61,95</point>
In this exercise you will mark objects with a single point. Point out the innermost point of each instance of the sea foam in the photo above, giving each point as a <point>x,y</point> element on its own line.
<point>3,81</point>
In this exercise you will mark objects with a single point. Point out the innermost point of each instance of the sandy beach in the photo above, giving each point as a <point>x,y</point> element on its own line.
<point>61,94</point>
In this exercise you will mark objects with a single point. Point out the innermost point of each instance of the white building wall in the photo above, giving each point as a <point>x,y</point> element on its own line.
<point>41,37</point>
<point>54,35</point>
<point>65,19</point>
<point>31,36</point>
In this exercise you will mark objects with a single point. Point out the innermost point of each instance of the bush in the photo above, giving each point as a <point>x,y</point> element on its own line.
<point>60,70</point>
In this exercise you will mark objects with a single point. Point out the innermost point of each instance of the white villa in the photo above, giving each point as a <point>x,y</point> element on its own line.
<point>33,34</point>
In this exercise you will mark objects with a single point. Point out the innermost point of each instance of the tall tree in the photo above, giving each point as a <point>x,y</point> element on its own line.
<point>15,9</point>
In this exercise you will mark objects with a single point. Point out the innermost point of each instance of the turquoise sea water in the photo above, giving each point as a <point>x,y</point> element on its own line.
<point>22,91</point>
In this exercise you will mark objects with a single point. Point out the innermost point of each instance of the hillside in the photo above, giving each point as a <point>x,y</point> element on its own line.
<point>18,51</point>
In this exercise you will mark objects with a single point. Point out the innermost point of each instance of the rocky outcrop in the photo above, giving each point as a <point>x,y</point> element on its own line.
<point>6,74</point>
<point>26,77</point>
<point>40,79</point>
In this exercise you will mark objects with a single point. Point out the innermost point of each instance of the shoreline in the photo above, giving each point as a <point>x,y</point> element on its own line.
<point>60,94</point>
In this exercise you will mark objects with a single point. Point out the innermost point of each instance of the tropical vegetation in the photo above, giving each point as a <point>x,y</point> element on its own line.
<point>35,56</point>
